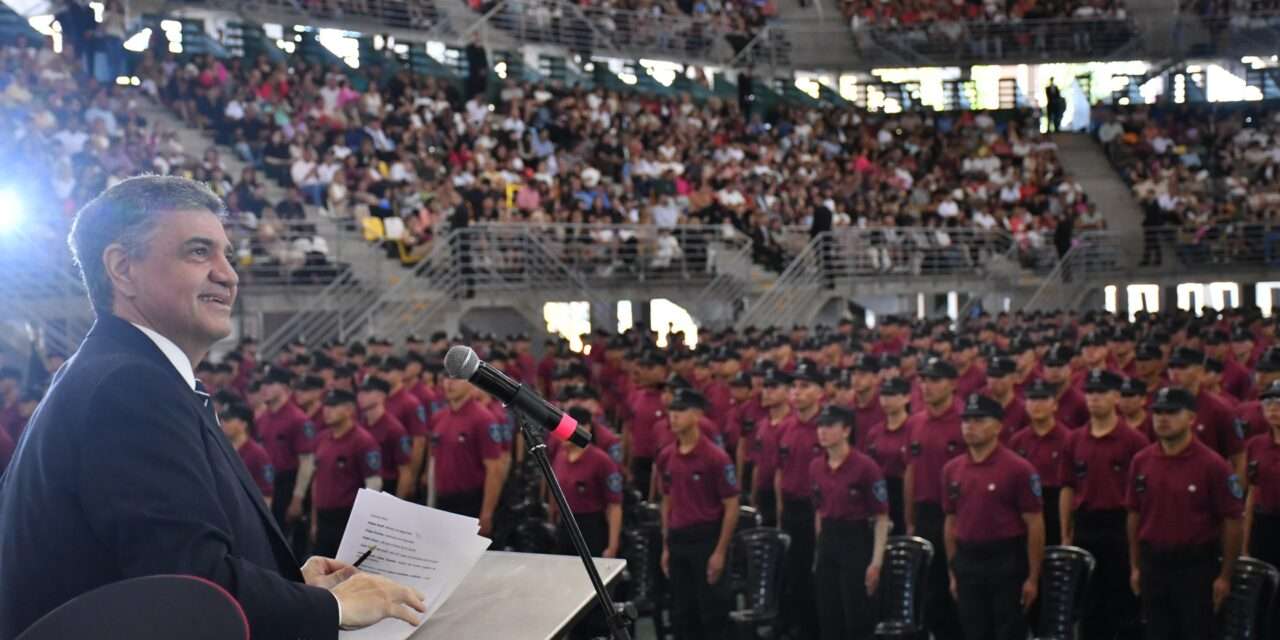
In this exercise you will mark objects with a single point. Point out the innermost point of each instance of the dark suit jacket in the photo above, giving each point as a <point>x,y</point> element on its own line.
<point>123,472</point>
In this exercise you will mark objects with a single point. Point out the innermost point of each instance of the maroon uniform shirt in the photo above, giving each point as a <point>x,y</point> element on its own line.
<point>988,498</point>
<point>763,451</point>
<point>602,438</point>
<point>1262,467</point>
<point>1250,414</point>
<point>1015,418</point>
<point>342,464</point>
<point>430,397</point>
<point>697,483</point>
<point>502,418</point>
<point>1236,380</point>
<point>462,440</point>
<point>1044,452</point>
<point>406,407</point>
<point>1071,409</point>
<point>662,431</point>
<point>646,410</point>
<point>853,491</point>
<point>286,434</point>
<point>258,463</point>
<point>934,440</point>
<point>889,448</point>
<point>1215,425</point>
<point>971,381</point>
<point>591,483</point>
<point>1096,468</point>
<point>394,442</point>
<point>528,368</point>
<point>1181,500</point>
<point>719,401</point>
<point>797,449</point>
<point>866,416</point>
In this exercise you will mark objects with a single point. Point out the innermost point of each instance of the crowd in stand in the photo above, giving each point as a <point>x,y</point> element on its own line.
<point>1047,381</point>
<point>1208,179</point>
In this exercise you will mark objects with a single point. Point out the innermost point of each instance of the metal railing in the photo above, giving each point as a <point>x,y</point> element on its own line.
<point>43,291</point>
<point>302,253</point>
<point>424,17</point>
<point>955,42</point>
<point>796,290</point>
<point>1092,253</point>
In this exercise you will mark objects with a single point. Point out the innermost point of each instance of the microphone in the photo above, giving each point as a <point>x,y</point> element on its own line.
<point>462,363</point>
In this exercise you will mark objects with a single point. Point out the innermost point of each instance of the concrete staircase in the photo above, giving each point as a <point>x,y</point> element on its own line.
<point>1085,160</point>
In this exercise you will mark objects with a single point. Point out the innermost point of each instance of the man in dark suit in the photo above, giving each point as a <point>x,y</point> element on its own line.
<point>124,471</point>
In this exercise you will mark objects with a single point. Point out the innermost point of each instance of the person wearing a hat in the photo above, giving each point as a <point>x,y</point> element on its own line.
<point>886,443</point>
<point>994,527</point>
<point>797,449</point>
<point>1057,371</point>
<point>1149,365</point>
<point>1215,422</point>
<point>744,411</point>
<point>643,409</point>
<point>723,365</point>
<point>308,394</point>
<point>237,424</point>
<point>522,362</point>
<point>1002,376</point>
<point>1235,380</point>
<point>699,514</point>
<point>593,486</point>
<point>935,438</point>
<point>1214,373</point>
<point>602,437</point>
<point>407,408</point>
<point>680,394</point>
<point>470,463</point>
<point>866,400</point>
<point>1095,353</point>
<point>289,437</point>
<point>971,374</point>
<point>390,434</point>
<point>347,459</point>
<point>1185,512</point>
<point>852,505</point>
<point>1042,444</point>
<point>1095,463</point>
<point>1133,406</point>
<point>1122,345</point>
<point>1262,476</point>
<point>762,458</point>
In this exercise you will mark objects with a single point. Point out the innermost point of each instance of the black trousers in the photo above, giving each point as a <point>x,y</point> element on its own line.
<point>1052,517</point>
<point>1110,608</point>
<point>939,608</point>
<point>330,525</point>
<point>1264,544</point>
<point>595,530</point>
<point>896,507</point>
<point>698,610</point>
<point>767,503</point>
<point>466,503</point>
<point>845,610</point>
<point>1177,592</point>
<point>798,611</point>
<point>641,473</point>
<point>989,579</point>
<point>281,495</point>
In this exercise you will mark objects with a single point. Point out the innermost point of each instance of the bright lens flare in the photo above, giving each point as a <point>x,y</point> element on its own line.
<point>10,211</point>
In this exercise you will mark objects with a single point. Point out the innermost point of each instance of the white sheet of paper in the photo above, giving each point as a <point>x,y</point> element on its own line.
<point>419,547</point>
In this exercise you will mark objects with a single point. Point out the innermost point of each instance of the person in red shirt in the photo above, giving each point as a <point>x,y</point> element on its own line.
<point>724,366</point>
<point>1133,406</point>
<point>971,374</point>
<point>1042,444</point>
<point>1123,345</point>
<point>797,449</point>
<point>308,394</point>
<point>1149,365</point>
<point>1002,374</point>
<point>393,440</point>
<point>1215,422</point>
<point>645,408</point>
<point>994,528</point>
<point>762,455</point>
<point>347,458</point>
<point>699,514</point>
<point>289,437</point>
<point>1091,507</point>
<point>470,465</point>
<point>1262,475</point>
<point>237,421</point>
<point>1057,371</point>
<point>1185,508</point>
<point>744,411</point>
<point>404,404</point>
<point>866,400</point>
<point>935,439</point>
<point>1234,380</point>
<point>676,389</point>
<point>522,361</point>
<point>887,442</point>
<point>593,487</point>
<point>851,503</point>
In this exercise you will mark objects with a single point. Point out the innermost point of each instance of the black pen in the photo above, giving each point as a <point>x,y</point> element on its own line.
<point>364,556</point>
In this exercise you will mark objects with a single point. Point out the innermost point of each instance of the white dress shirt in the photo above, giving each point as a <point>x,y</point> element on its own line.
<point>176,357</point>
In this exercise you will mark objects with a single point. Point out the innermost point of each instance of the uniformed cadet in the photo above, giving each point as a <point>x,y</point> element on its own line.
<point>797,449</point>
<point>763,458</point>
<point>470,464</point>
<point>1057,371</point>
<point>742,408</point>
<point>396,446</point>
<point>405,405</point>
<point>308,394</point>
<point>994,528</point>
<point>971,372</point>
<point>935,438</point>
<point>887,444</point>
<point>347,459</point>
<point>1042,444</point>
<point>237,422</point>
<point>1215,423</point>
<point>1133,406</point>
<point>1002,373</point>
<point>289,437</point>
<point>699,515</point>
<point>1091,507</point>
<point>851,503</point>
<point>1185,507</point>
<point>602,437</point>
<point>866,389</point>
<point>592,484</point>
<point>1262,509</point>
<point>644,408</point>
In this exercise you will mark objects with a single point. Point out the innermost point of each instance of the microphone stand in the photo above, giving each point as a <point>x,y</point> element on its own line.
<point>619,616</point>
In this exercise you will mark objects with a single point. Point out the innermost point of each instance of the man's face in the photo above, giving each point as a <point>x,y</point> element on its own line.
<point>830,435</point>
<point>233,427</point>
<point>864,381</point>
<point>894,403</point>
<point>979,431</point>
<point>1057,375</point>
<point>937,390</point>
<point>1041,408</point>
<point>684,420</point>
<point>456,390</point>
<point>1172,425</point>
<point>1186,377</point>
<point>1271,412</point>
<point>807,394</point>
<point>368,400</point>
<point>336,414</point>
<point>1095,355</point>
<point>309,397</point>
<point>274,392</point>
<point>774,395</point>
<point>393,376</point>
<point>1000,385</point>
<point>1101,404</point>
<point>184,285</point>
<point>1130,404</point>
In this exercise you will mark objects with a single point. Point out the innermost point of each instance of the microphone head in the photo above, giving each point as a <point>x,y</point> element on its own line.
<point>461,362</point>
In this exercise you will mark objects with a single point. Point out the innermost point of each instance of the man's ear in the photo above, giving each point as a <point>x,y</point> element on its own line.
<point>119,267</point>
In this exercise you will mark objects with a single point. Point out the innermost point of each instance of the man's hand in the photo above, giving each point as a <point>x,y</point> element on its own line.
<point>366,599</point>
<point>486,524</point>
<point>295,510</point>
<point>665,563</point>
<point>611,552</point>
<point>1135,581</point>
<point>715,567</point>
<point>955,589</point>
<point>1030,589</point>
<point>872,579</point>
<point>1221,589</point>
<point>326,573</point>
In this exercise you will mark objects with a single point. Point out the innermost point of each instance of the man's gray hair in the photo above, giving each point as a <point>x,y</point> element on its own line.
<point>127,214</point>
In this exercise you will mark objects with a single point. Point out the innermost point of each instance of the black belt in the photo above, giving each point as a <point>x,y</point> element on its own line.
<point>695,533</point>
<point>1181,556</point>
<point>1102,518</point>
<point>992,547</point>
<point>845,526</point>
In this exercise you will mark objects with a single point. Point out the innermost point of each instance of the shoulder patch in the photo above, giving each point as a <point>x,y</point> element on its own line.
<point>1036,489</point>
<point>1239,425</point>
<point>615,452</point>
<point>731,475</point>
<point>374,460</point>
<point>496,433</point>
<point>406,444</point>
<point>269,473</point>
<point>309,430</point>
<point>615,482</point>
<point>422,413</point>
<point>1237,489</point>
<point>881,491</point>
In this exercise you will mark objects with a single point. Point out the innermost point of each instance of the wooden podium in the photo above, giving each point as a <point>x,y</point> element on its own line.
<point>518,595</point>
